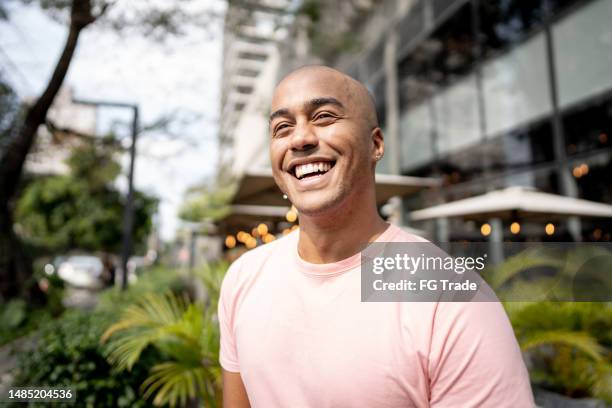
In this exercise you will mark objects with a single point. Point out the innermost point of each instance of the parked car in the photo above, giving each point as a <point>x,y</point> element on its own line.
<point>83,271</point>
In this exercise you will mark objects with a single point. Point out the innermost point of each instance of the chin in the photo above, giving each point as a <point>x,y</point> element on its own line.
<point>318,204</point>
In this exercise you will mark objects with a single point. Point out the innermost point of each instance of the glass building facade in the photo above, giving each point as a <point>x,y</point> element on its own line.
<point>499,93</point>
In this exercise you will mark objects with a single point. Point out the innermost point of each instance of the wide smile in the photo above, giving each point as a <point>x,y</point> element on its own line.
<point>312,174</point>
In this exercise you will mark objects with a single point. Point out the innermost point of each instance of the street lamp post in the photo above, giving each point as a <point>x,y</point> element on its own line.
<point>128,211</point>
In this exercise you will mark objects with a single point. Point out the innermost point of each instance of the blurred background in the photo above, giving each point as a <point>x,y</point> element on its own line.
<point>134,166</point>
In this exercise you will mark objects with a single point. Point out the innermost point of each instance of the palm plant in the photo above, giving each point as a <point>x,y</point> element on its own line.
<point>184,332</point>
<point>567,343</point>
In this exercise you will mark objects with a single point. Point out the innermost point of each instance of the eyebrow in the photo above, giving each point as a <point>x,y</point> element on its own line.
<point>311,104</point>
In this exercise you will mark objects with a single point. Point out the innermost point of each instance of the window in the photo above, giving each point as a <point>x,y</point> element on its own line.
<point>583,52</point>
<point>416,136</point>
<point>516,87</point>
<point>457,116</point>
<point>506,23</point>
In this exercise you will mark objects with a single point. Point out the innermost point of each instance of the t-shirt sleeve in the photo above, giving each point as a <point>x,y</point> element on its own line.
<point>475,360</point>
<point>228,357</point>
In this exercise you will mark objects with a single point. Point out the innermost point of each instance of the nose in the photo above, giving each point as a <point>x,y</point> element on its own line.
<point>303,138</point>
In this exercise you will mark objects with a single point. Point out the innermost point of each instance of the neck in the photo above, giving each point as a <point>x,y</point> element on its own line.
<point>339,233</point>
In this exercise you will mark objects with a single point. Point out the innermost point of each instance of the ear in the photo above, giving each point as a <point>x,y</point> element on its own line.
<point>378,144</point>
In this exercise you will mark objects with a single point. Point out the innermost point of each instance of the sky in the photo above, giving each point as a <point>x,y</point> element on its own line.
<point>180,75</point>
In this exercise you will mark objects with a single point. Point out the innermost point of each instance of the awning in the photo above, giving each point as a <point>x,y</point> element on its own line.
<point>257,187</point>
<point>514,202</point>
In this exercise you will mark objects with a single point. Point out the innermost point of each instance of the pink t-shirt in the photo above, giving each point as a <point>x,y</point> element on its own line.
<point>300,336</point>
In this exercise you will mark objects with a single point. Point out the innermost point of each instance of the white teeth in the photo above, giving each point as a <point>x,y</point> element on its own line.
<point>304,169</point>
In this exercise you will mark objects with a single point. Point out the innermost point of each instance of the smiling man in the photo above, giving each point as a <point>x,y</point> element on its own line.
<point>294,332</point>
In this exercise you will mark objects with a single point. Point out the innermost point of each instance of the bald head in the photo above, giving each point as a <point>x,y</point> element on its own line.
<point>354,92</point>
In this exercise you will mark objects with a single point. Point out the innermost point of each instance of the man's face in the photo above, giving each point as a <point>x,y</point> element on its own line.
<point>321,147</point>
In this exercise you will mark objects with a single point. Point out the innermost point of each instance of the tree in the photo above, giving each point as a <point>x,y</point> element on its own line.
<point>204,203</point>
<point>154,18</point>
<point>82,210</point>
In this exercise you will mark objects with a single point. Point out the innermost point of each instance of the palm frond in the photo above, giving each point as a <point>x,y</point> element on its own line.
<point>173,383</point>
<point>152,312</point>
<point>515,265</point>
<point>211,276</point>
<point>602,387</point>
<point>151,320</point>
<point>582,341</point>
<point>184,332</point>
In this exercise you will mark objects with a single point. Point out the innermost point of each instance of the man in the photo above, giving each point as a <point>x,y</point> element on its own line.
<point>294,332</point>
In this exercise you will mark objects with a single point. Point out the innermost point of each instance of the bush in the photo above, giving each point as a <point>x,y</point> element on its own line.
<point>568,345</point>
<point>153,280</point>
<point>186,333</point>
<point>17,318</point>
<point>68,350</point>
<point>68,353</point>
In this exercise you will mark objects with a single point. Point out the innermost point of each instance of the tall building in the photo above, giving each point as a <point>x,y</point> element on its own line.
<point>483,94</point>
<point>250,62</point>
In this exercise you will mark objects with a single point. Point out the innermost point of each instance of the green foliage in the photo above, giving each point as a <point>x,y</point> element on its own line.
<point>68,349</point>
<point>311,9</point>
<point>205,203</point>
<point>157,279</point>
<point>153,20</point>
<point>94,164</point>
<point>567,343</point>
<point>184,332</point>
<point>81,210</point>
<point>68,353</point>
<point>569,346</point>
<point>18,318</point>
<point>323,42</point>
<point>12,314</point>
<point>211,276</point>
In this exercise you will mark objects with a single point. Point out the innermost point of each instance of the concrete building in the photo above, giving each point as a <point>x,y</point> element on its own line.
<point>250,64</point>
<point>480,94</point>
<point>483,94</point>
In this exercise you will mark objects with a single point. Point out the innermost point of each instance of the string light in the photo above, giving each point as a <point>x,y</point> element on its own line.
<point>515,228</point>
<point>230,241</point>
<point>268,238</point>
<point>262,229</point>
<point>291,216</point>
<point>242,236</point>
<point>581,170</point>
<point>251,243</point>
<point>485,229</point>
<point>549,229</point>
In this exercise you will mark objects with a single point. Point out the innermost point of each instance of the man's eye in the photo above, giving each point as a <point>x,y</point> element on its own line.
<point>280,127</point>
<point>324,115</point>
